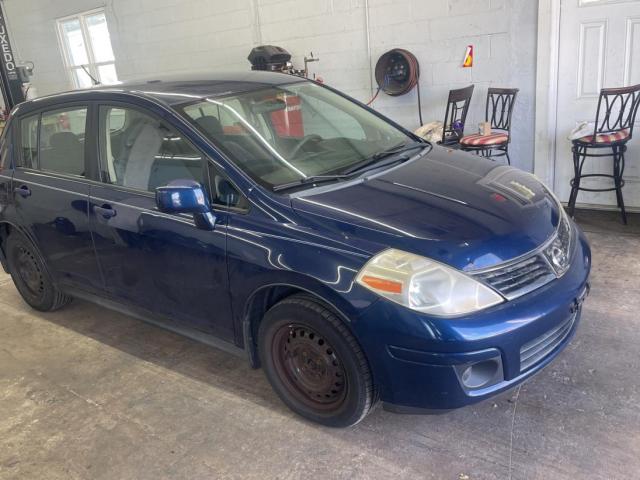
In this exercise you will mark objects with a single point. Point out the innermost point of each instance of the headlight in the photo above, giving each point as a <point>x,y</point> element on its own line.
<point>425,285</point>
<point>558,252</point>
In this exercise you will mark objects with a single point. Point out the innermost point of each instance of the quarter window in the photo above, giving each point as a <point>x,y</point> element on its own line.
<point>62,135</point>
<point>28,157</point>
<point>223,192</point>
<point>141,152</point>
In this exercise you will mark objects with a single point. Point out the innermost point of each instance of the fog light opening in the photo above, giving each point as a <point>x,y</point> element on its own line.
<point>480,374</point>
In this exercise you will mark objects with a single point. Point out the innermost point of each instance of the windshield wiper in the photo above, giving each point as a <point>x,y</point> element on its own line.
<point>309,180</point>
<point>403,147</point>
<point>354,169</point>
<point>376,157</point>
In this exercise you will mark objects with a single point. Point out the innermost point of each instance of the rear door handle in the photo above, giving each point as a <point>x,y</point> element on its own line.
<point>106,211</point>
<point>23,191</point>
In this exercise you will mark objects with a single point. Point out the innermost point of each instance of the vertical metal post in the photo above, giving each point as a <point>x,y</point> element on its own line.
<point>9,78</point>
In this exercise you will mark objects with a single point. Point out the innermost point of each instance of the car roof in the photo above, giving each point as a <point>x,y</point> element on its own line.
<point>170,90</point>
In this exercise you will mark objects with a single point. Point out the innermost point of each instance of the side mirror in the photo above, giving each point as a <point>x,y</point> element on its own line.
<point>186,196</point>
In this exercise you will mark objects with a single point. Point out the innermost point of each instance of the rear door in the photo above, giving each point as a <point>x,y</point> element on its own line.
<point>152,260</point>
<point>50,191</point>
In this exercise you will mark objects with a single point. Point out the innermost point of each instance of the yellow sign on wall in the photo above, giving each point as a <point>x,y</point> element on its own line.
<point>468,57</point>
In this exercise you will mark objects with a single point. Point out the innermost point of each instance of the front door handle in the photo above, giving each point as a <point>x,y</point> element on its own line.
<point>23,191</point>
<point>106,211</point>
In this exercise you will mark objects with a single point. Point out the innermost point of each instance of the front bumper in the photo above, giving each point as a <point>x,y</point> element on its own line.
<point>418,361</point>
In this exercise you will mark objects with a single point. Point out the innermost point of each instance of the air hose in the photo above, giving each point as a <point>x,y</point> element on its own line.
<point>397,73</point>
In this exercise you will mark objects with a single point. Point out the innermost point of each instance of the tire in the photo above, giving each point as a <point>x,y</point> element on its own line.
<point>314,363</point>
<point>31,277</point>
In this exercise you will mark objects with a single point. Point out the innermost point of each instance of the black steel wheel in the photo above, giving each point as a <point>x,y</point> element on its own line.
<point>31,277</point>
<point>309,366</point>
<point>314,363</point>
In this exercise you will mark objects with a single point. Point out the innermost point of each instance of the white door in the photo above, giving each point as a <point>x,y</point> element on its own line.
<point>599,47</point>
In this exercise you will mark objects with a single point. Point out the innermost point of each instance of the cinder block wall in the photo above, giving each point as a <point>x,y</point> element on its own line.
<point>163,36</point>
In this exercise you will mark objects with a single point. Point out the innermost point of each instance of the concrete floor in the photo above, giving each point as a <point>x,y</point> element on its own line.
<point>86,393</point>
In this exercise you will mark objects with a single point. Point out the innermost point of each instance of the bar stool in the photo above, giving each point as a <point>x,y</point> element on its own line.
<point>615,116</point>
<point>456,115</point>
<point>498,111</point>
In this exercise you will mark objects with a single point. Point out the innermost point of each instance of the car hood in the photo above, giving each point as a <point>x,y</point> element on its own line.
<point>454,207</point>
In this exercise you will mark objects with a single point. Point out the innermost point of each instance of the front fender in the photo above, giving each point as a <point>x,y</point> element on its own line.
<point>258,259</point>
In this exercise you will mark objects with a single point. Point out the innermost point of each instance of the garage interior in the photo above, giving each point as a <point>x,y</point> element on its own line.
<point>89,393</point>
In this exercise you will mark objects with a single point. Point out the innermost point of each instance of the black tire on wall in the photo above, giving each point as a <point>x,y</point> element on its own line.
<point>314,363</point>
<point>31,277</point>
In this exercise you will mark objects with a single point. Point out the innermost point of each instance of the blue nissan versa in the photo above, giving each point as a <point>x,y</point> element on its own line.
<point>262,212</point>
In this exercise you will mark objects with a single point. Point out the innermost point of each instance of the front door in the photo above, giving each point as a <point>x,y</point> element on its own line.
<point>149,259</point>
<point>599,47</point>
<point>51,193</point>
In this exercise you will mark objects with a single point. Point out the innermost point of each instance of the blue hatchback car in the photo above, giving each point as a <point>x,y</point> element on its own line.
<point>265,213</point>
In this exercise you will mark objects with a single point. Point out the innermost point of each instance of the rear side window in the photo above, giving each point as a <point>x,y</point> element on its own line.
<point>62,135</point>
<point>28,156</point>
<point>141,152</point>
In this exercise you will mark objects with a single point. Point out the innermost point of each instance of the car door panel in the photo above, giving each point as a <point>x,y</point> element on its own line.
<point>56,213</point>
<point>160,262</point>
<point>51,205</point>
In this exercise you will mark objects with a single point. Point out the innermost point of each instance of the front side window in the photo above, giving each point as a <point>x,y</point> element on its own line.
<point>141,152</point>
<point>62,136</point>
<point>28,155</point>
<point>286,133</point>
<point>86,46</point>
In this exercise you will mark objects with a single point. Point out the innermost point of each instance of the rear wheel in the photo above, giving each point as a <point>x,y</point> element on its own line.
<point>31,277</point>
<point>314,363</point>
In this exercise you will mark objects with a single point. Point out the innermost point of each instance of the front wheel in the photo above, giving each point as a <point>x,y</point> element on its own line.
<point>31,277</point>
<point>314,363</point>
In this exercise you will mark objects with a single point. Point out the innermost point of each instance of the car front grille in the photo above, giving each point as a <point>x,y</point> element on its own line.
<point>535,350</point>
<point>518,278</point>
<point>525,274</point>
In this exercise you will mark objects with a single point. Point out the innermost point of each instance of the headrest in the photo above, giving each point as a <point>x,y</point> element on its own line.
<point>210,125</point>
<point>64,140</point>
<point>133,130</point>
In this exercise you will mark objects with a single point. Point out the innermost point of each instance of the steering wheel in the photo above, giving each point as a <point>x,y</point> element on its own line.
<point>309,138</point>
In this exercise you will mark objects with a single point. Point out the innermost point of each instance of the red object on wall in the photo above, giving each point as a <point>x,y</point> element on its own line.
<point>288,122</point>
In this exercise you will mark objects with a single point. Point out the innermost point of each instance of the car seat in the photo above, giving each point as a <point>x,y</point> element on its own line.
<point>66,154</point>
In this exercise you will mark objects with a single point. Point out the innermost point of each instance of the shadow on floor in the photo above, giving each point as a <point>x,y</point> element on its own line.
<point>607,222</point>
<point>167,349</point>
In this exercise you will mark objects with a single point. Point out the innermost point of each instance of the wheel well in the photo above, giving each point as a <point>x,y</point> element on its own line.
<point>259,304</point>
<point>5,230</point>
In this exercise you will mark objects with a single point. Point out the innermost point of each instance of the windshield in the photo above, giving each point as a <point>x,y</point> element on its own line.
<point>289,133</point>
